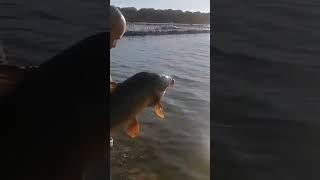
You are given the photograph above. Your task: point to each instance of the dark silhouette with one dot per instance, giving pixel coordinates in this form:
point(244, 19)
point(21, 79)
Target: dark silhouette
point(54, 123)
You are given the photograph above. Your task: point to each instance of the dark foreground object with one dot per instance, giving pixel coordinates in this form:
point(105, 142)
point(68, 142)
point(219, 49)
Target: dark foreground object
point(54, 121)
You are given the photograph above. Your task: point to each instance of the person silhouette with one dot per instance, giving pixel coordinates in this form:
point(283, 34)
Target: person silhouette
point(118, 28)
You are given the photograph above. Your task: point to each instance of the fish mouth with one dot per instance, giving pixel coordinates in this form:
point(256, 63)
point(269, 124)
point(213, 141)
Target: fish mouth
point(172, 82)
point(169, 83)
point(158, 108)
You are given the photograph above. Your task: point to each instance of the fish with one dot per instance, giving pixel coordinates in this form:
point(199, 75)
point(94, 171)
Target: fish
point(129, 98)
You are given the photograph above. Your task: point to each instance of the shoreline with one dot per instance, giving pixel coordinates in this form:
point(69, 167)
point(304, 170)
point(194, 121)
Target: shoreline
point(145, 33)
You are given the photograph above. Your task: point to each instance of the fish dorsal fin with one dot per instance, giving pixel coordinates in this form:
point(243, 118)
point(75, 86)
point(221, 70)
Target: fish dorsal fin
point(113, 86)
point(133, 128)
point(158, 111)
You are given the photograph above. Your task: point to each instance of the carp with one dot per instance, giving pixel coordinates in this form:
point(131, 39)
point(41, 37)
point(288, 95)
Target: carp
point(129, 98)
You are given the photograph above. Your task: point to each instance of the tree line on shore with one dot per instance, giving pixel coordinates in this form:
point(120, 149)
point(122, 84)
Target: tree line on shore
point(151, 15)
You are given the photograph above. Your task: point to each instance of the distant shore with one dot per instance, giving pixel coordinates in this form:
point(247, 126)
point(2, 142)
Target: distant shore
point(144, 33)
point(133, 14)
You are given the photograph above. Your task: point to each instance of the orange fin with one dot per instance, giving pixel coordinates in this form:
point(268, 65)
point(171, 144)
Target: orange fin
point(133, 128)
point(158, 111)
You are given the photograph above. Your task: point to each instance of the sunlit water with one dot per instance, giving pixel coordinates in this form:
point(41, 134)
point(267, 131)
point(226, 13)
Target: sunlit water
point(177, 148)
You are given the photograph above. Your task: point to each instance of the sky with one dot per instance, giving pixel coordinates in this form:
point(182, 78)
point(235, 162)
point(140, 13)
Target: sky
point(184, 5)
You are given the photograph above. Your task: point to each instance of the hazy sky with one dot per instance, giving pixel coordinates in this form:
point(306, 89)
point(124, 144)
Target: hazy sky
point(184, 5)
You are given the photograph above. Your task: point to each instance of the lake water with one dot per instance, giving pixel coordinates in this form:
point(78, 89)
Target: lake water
point(177, 148)
point(34, 31)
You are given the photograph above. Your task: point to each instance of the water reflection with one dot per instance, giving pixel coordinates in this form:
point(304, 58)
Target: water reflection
point(177, 148)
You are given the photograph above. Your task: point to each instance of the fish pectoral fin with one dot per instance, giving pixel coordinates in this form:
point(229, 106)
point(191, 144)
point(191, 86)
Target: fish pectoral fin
point(113, 86)
point(158, 111)
point(113, 83)
point(133, 128)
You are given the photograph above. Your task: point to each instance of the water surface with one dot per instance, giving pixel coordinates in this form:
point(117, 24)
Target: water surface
point(177, 148)
point(33, 31)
